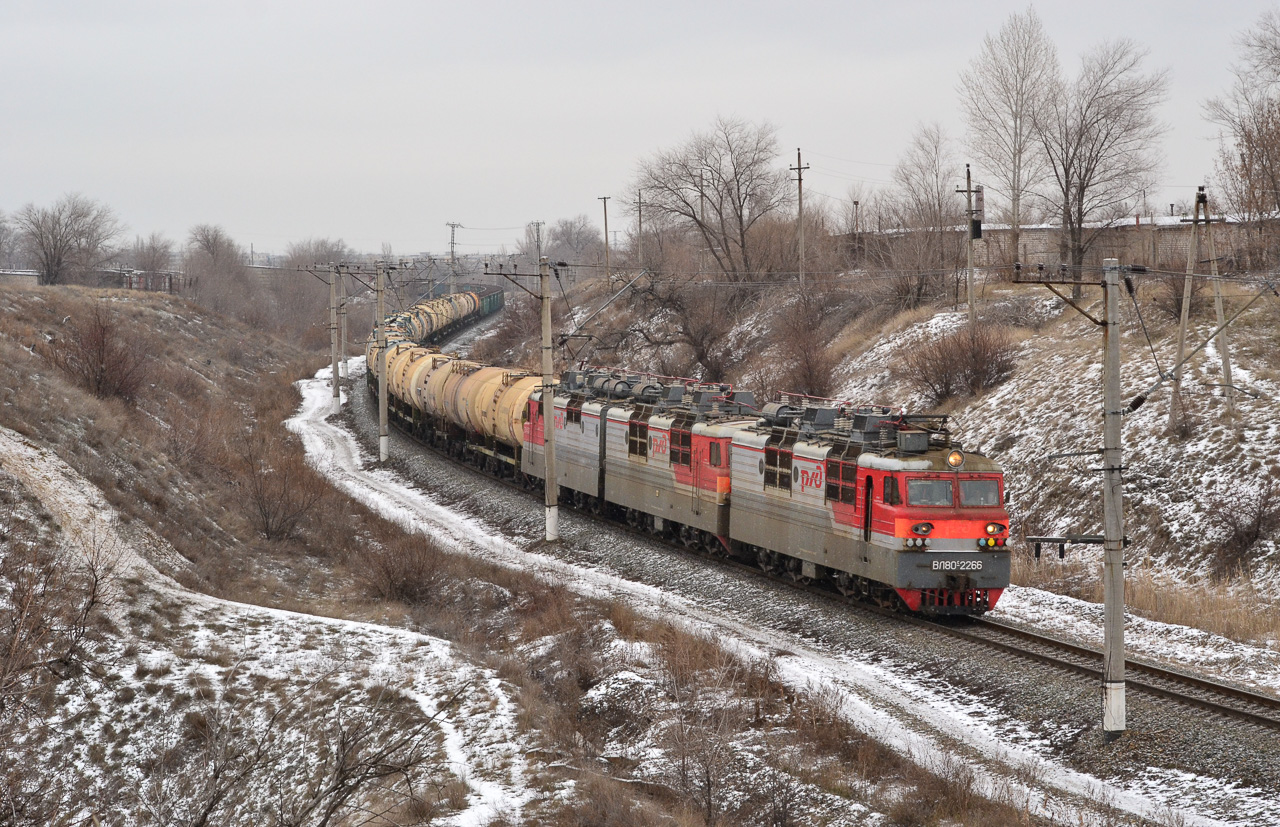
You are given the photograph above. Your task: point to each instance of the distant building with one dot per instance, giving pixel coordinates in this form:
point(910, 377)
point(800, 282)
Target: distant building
point(20, 278)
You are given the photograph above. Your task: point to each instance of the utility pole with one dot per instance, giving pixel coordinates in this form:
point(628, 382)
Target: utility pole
point(1113, 711)
point(639, 230)
point(857, 231)
point(799, 169)
point(336, 407)
point(453, 258)
point(973, 223)
point(604, 199)
point(548, 407)
point(537, 236)
point(384, 438)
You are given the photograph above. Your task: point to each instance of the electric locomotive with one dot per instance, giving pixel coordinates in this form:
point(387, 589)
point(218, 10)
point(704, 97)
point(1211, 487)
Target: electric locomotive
point(875, 502)
point(879, 503)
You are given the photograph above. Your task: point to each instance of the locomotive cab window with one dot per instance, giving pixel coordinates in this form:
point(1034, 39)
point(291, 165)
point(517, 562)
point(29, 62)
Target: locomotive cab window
point(713, 455)
point(979, 492)
point(929, 492)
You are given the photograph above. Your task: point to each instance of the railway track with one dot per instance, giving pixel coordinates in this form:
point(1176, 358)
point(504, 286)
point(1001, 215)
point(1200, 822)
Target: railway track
point(1192, 690)
point(1179, 687)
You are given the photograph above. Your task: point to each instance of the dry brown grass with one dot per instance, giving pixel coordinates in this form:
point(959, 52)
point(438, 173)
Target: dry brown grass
point(1238, 611)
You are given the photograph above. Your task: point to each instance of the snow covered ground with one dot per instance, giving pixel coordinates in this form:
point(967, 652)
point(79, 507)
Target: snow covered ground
point(206, 642)
point(913, 715)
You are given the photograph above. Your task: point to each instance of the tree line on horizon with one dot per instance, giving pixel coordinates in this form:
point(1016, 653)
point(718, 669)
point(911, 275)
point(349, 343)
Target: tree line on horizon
point(1078, 149)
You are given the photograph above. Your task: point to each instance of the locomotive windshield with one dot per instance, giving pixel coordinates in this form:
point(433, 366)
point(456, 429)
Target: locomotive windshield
point(929, 492)
point(979, 492)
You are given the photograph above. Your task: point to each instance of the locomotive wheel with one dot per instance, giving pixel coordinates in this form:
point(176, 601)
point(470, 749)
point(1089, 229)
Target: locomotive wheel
point(767, 560)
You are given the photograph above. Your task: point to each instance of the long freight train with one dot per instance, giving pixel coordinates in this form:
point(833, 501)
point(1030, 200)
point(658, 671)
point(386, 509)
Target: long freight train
point(865, 498)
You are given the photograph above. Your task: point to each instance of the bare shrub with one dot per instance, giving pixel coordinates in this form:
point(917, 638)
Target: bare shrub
point(964, 363)
point(808, 363)
point(53, 598)
point(1186, 423)
point(410, 569)
point(102, 357)
point(374, 757)
point(1242, 519)
point(280, 488)
point(604, 802)
point(1168, 298)
point(706, 718)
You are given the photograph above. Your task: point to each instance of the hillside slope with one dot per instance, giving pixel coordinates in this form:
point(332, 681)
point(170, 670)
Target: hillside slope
point(1195, 496)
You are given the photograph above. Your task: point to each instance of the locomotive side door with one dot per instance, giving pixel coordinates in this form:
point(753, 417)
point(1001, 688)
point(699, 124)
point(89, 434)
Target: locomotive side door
point(866, 508)
point(695, 464)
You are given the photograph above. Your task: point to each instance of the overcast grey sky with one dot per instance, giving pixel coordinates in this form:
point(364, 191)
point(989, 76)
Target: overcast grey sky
point(381, 121)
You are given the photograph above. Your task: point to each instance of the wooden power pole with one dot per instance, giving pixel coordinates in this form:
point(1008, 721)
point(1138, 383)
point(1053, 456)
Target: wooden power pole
point(799, 169)
point(1220, 342)
point(604, 199)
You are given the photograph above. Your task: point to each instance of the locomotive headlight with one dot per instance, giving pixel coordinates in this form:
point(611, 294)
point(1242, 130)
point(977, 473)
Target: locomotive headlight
point(955, 459)
point(994, 528)
point(922, 528)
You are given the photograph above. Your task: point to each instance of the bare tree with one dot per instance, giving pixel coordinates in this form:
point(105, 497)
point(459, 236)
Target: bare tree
point(575, 240)
point(720, 183)
point(1000, 92)
point(576, 236)
point(695, 338)
point(8, 242)
point(68, 239)
point(154, 254)
point(924, 212)
point(1248, 165)
point(216, 274)
point(1099, 134)
point(214, 242)
point(300, 299)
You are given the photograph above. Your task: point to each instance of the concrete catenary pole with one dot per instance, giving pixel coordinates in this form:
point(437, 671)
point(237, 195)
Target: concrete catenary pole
point(333, 337)
point(604, 199)
point(549, 407)
point(384, 437)
point(342, 322)
point(453, 258)
point(1113, 707)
